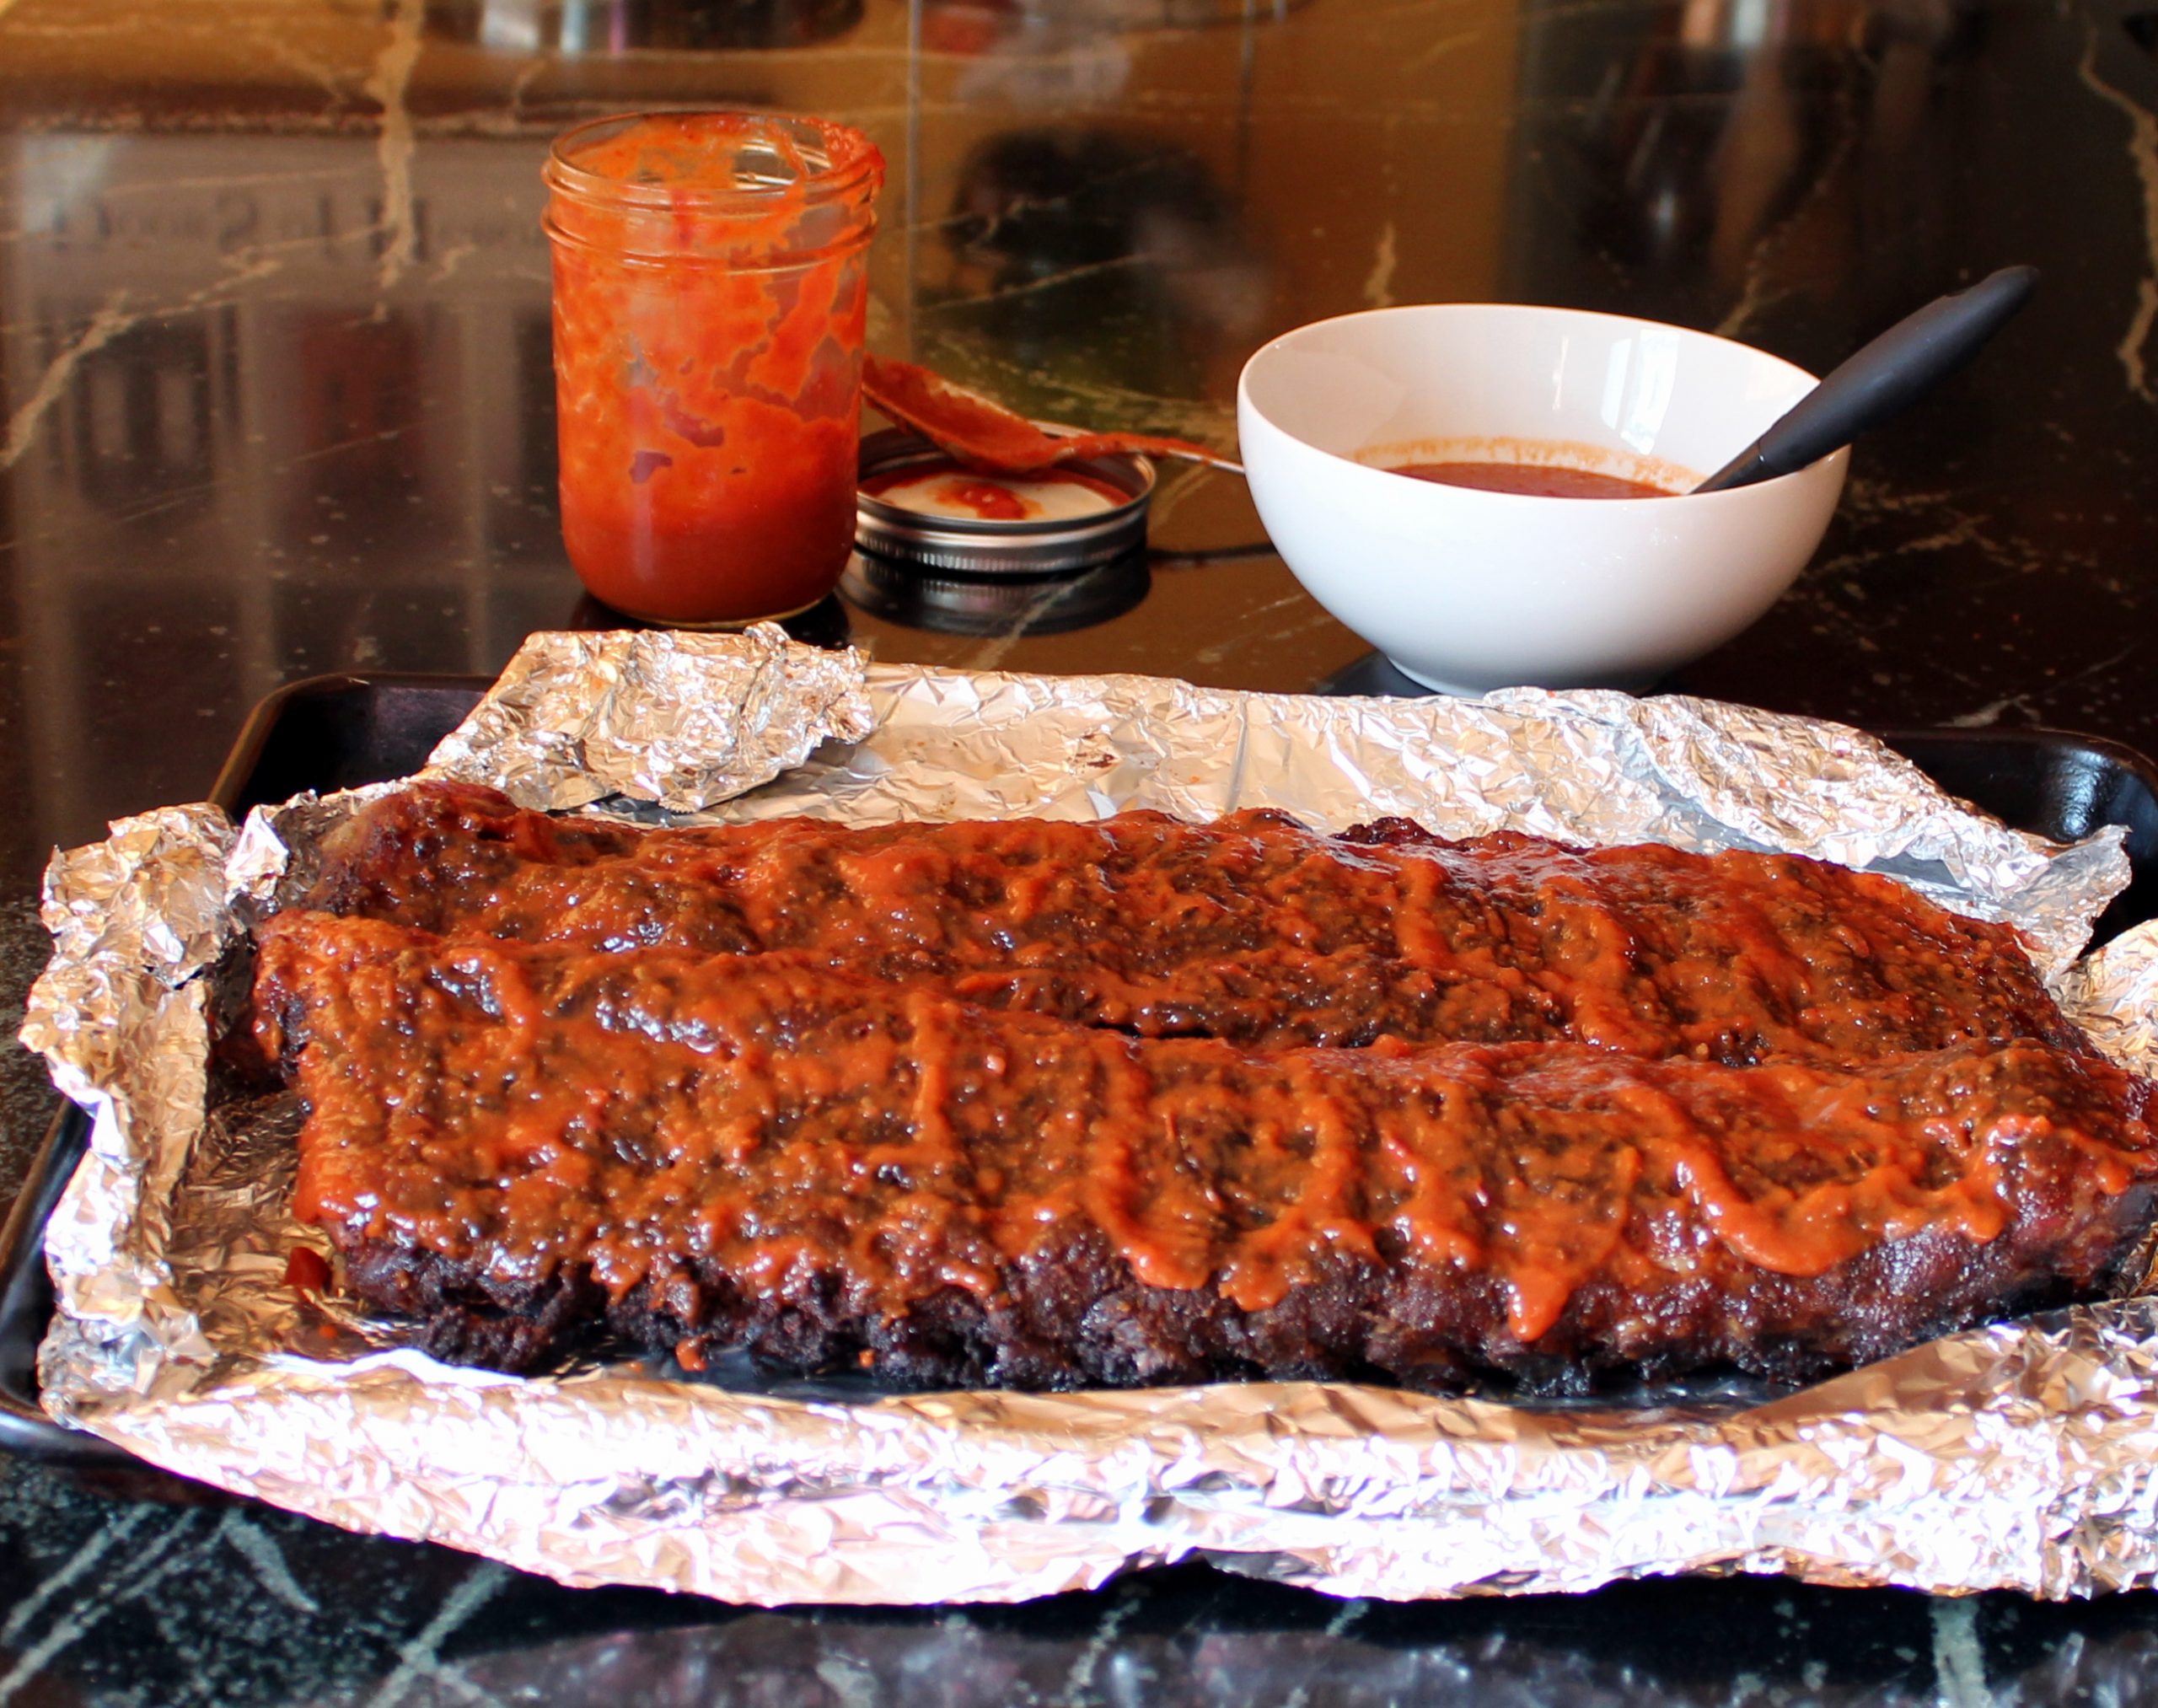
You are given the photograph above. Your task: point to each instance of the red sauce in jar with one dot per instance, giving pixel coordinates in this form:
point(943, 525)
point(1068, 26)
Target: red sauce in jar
point(710, 294)
point(1533, 479)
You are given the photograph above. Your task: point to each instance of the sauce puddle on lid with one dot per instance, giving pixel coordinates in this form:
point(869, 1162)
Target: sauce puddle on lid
point(944, 489)
point(1533, 479)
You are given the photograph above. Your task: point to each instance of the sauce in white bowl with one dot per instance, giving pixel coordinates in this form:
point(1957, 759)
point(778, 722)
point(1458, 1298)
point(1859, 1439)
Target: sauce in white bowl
point(1469, 590)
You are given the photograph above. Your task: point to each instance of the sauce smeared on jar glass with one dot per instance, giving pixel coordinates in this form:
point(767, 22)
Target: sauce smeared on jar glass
point(710, 294)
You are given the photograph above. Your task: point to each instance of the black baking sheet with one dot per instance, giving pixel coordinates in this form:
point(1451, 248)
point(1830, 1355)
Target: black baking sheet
point(339, 732)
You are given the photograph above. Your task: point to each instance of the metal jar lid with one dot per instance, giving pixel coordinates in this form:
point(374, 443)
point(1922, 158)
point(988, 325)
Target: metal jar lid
point(906, 594)
point(964, 546)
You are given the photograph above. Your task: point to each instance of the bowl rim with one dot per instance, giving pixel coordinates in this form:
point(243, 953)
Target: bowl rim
point(1555, 311)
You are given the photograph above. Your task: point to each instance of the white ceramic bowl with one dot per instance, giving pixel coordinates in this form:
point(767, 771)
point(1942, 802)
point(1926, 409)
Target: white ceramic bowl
point(1468, 590)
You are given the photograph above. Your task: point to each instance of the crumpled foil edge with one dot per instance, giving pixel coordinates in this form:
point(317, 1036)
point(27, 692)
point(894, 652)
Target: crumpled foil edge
point(2011, 1456)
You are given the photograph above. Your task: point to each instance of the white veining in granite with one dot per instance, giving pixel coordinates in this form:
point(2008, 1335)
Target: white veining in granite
point(2142, 152)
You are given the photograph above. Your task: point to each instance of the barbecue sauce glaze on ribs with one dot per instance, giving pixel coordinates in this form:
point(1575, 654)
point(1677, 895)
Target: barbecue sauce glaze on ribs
point(1251, 929)
point(699, 1112)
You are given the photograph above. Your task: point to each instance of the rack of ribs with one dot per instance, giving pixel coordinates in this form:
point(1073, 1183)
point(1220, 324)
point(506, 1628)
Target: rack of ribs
point(525, 1146)
point(1252, 929)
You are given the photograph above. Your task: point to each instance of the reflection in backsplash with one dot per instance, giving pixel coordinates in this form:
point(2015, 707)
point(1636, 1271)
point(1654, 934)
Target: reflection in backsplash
point(1142, 228)
point(621, 26)
point(141, 416)
point(1711, 145)
point(259, 437)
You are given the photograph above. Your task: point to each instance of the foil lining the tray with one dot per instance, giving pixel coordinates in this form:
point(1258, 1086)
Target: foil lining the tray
point(2016, 1455)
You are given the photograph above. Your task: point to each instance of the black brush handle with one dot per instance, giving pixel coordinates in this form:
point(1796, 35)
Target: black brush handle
point(1883, 380)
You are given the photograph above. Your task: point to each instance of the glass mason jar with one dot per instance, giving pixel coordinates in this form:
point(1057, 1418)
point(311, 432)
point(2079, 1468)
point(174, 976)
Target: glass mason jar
point(710, 282)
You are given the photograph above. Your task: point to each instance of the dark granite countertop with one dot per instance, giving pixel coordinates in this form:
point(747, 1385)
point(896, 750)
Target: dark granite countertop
point(276, 399)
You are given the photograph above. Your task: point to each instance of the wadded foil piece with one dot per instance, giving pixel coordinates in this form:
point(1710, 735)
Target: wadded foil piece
point(576, 717)
point(2017, 1455)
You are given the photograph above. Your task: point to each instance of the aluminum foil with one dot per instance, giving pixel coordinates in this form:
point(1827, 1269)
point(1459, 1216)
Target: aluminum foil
point(2018, 1455)
point(573, 720)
